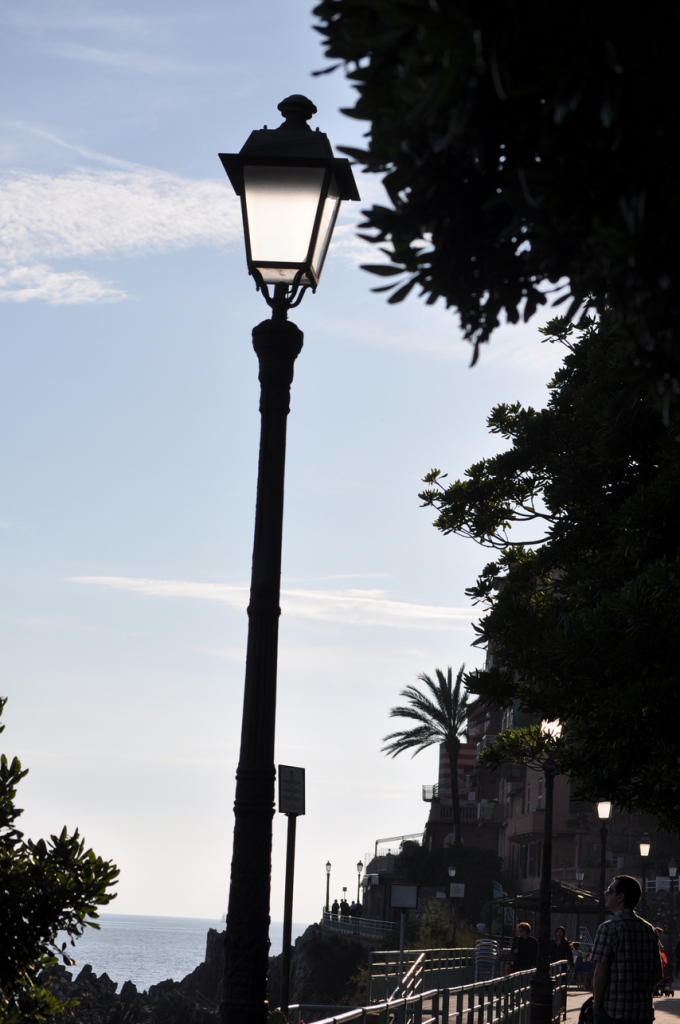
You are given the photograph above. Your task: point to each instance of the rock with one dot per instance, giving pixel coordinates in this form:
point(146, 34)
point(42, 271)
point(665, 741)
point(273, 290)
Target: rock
point(321, 965)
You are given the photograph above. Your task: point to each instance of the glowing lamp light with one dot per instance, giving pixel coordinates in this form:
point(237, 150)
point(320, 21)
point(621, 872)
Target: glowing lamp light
point(291, 187)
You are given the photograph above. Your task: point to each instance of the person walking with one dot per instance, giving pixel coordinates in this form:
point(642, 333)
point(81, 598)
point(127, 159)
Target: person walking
point(560, 949)
point(627, 959)
point(524, 948)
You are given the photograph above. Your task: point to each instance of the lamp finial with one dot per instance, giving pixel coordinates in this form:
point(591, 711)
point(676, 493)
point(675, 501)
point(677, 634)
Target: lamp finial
point(297, 110)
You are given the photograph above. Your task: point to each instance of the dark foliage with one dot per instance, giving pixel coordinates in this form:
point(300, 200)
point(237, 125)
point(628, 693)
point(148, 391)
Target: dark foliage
point(521, 144)
point(45, 887)
point(586, 620)
point(476, 867)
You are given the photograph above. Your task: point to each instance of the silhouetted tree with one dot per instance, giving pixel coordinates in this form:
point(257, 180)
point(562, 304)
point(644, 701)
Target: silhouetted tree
point(525, 148)
point(583, 616)
point(441, 716)
point(45, 887)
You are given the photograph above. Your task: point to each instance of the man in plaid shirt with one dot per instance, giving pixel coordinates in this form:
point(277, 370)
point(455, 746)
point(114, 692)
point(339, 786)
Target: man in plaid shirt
point(627, 959)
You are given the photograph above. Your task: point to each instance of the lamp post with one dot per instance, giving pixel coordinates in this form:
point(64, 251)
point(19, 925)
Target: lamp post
point(328, 884)
point(541, 982)
point(360, 868)
point(672, 871)
point(604, 810)
point(645, 847)
point(291, 187)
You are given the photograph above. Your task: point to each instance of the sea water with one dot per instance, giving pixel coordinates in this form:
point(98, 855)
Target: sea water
point(147, 950)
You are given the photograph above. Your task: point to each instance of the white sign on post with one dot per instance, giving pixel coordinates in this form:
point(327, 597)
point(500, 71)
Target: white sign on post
point(291, 790)
point(457, 890)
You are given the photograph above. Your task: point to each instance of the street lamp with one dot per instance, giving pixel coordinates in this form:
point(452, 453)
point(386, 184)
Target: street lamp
point(291, 187)
point(645, 847)
point(604, 810)
point(328, 884)
point(360, 868)
point(672, 871)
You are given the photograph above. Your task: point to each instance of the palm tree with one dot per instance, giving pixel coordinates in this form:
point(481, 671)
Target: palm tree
point(441, 715)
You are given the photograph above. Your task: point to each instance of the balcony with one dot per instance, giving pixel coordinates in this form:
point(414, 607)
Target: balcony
point(469, 813)
point(526, 826)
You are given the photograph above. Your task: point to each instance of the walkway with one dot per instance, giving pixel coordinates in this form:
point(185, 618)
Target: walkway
point(666, 1011)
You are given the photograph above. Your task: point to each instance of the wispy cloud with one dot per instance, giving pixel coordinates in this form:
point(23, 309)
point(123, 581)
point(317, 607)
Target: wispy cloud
point(22, 284)
point(96, 214)
point(352, 606)
point(109, 213)
point(130, 60)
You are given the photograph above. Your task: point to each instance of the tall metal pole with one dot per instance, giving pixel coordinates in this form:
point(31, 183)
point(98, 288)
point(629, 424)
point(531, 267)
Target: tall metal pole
point(328, 885)
point(288, 914)
point(277, 343)
point(541, 983)
point(672, 871)
point(603, 869)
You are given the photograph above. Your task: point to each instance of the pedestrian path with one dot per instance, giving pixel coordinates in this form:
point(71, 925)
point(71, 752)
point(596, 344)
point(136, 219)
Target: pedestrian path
point(666, 1011)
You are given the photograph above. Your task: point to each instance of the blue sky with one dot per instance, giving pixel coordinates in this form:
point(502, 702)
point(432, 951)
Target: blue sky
point(129, 433)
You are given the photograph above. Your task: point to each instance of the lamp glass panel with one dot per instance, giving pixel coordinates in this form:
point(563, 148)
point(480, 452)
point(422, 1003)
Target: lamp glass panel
point(328, 217)
point(281, 204)
point(604, 809)
point(644, 849)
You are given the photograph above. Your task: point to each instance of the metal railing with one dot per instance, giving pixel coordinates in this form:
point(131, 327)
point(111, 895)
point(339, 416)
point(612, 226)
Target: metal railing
point(504, 1000)
point(412, 980)
point(468, 812)
point(439, 968)
point(395, 843)
point(365, 927)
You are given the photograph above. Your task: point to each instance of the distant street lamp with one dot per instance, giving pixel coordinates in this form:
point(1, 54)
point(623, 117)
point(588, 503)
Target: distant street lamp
point(645, 847)
point(580, 875)
point(328, 884)
point(291, 187)
point(672, 871)
point(604, 810)
point(360, 868)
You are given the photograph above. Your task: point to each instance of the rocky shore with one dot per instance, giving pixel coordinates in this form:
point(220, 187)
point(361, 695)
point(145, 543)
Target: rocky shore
point(322, 965)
